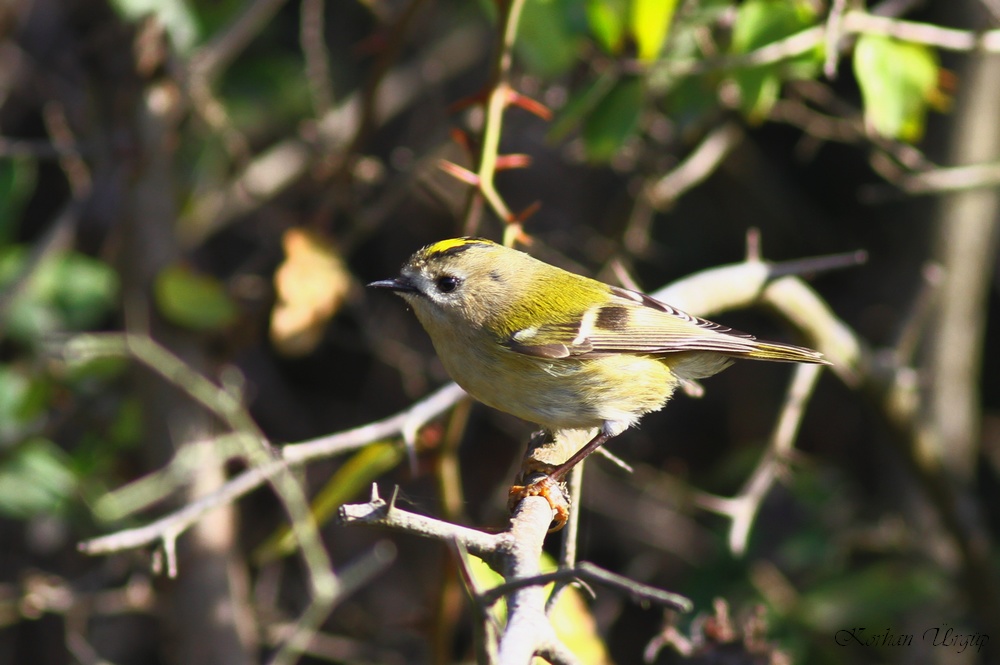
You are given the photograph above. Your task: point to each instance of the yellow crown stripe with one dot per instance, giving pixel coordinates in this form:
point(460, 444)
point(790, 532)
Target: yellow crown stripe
point(450, 245)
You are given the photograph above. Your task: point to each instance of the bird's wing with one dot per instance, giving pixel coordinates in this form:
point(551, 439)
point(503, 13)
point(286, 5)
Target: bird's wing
point(632, 322)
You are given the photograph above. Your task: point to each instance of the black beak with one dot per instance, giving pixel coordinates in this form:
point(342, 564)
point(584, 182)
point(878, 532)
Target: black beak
point(400, 284)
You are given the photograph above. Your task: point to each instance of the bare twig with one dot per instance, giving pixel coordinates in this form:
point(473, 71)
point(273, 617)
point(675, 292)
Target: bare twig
point(405, 423)
point(273, 170)
point(915, 322)
point(323, 582)
point(589, 572)
point(311, 25)
point(297, 637)
point(487, 626)
point(216, 55)
point(950, 179)
point(379, 512)
point(742, 509)
point(700, 164)
point(571, 532)
point(372, 100)
point(515, 554)
point(77, 170)
point(949, 39)
point(833, 26)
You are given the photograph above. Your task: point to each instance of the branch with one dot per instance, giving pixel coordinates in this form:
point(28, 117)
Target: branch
point(853, 22)
point(382, 513)
point(209, 61)
point(405, 423)
point(273, 170)
point(742, 509)
point(696, 167)
point(515, 554)
point(588, 572)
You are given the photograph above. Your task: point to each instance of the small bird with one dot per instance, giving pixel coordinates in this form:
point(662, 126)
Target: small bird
point(558, 349)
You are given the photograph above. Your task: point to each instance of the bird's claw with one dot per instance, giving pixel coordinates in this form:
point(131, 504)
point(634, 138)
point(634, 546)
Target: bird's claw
point(553, 491)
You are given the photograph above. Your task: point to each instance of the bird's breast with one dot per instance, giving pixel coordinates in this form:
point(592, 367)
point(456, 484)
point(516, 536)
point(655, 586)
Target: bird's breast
point(565, 393)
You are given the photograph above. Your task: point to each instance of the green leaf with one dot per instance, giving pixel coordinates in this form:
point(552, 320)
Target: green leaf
point(35, 480)
point(127, 427)
point(193, 300)
point(898, 80)
point(81, 288)
point(17, 182)
point(762, 22)
point(759, 90)
point(549, 36)
point(23, 398)
point(614, 120)
point(580, 105)
point(606, 19)
point(691, 100)
point(650, 24)
point(65, 291)
point(758, 24)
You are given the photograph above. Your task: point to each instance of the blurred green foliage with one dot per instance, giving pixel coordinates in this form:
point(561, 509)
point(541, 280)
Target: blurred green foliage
point(760, 23)
point(899, 81)
point(193, 300)
point(64, 292)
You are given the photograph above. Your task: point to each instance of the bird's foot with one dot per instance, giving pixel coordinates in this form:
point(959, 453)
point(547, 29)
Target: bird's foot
point(540, 483)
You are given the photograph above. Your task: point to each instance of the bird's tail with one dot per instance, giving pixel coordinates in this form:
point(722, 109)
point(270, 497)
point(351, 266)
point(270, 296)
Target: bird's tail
point(788, 353)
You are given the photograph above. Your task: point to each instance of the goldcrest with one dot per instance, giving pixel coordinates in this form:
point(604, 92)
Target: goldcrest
point(561, 350)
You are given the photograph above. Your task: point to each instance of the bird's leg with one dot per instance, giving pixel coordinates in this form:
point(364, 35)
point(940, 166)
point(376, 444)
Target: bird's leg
point(560, 471)
point(546, 484)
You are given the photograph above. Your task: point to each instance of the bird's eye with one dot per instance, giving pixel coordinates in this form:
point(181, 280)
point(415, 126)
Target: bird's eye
point(447, 283)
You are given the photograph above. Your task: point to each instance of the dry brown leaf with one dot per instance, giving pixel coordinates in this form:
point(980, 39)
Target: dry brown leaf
point(311, 284)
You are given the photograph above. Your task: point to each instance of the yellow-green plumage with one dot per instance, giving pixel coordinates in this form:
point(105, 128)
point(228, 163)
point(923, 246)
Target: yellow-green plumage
point(558, 349)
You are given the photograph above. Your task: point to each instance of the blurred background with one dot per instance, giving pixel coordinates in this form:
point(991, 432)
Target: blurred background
point(225, 176)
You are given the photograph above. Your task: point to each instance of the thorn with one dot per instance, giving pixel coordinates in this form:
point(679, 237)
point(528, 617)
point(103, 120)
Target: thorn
point(411, 430)
point(513, 161)
point(530, 105)
point(753, 245)
point(525, 214)
point(471, 100)
point(514, 233)
point(461, 137)
point(170, 552)
point(817, 264)
point(459, 172)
